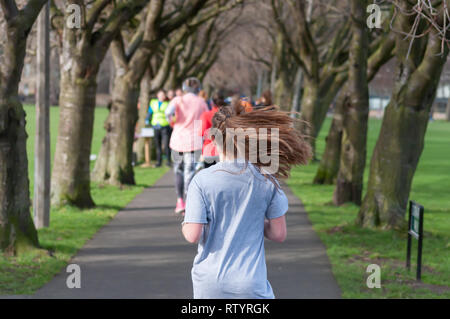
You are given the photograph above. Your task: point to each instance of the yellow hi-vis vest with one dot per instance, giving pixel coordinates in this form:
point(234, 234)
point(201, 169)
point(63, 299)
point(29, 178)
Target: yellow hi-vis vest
point(159, 116)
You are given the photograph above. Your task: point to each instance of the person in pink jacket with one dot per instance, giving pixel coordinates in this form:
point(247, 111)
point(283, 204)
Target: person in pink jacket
point(185, 142)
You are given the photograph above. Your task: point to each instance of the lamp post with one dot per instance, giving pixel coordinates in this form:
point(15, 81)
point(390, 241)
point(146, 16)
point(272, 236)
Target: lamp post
point(41, 198)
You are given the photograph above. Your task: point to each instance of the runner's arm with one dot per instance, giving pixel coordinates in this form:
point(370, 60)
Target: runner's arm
point(275, 229)
point(192, 232)
point(170, 110)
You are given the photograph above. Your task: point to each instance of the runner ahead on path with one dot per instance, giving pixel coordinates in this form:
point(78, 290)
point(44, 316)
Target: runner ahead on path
point(156, 117)
point(232, 205)
point(209, 152)
point(187, 109)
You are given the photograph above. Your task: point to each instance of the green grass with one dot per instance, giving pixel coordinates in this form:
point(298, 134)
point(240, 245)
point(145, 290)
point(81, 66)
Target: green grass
point(69, 227)
point(351, 249)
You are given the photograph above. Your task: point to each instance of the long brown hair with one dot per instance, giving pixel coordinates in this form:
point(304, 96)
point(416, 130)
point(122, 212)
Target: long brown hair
point(292, 147)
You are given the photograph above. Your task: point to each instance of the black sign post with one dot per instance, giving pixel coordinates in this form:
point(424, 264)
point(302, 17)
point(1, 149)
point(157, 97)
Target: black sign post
point(415, 229)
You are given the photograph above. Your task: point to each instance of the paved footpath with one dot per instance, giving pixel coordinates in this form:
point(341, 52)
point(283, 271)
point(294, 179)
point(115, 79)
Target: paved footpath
point(141, 254)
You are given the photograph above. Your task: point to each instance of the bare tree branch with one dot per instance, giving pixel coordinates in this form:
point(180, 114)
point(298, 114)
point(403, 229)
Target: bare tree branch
point(9, 8)
point(94, 13)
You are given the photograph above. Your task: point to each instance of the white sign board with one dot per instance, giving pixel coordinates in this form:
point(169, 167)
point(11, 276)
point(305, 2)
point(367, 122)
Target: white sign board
point(147, 132)
point(415, 219)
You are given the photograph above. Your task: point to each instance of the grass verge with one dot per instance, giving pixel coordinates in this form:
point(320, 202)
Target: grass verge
point(351, 249)
point(70, 227)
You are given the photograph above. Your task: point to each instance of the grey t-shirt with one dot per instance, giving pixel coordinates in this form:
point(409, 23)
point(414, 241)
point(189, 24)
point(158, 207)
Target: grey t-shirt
point(232, 201)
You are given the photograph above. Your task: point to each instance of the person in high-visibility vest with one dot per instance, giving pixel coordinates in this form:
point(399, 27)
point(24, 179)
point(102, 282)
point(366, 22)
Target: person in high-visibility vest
point(157, 119)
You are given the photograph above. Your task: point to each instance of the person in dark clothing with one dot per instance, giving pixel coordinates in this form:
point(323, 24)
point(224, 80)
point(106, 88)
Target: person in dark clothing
point(157, 119)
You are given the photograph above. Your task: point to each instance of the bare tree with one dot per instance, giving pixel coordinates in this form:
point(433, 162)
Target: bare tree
point(17, 231)
point(421, 51)
point(246, 50)
point(321, 49)
point(381, 53)
point(356, 109)
point(206, 46)
point(83, 49)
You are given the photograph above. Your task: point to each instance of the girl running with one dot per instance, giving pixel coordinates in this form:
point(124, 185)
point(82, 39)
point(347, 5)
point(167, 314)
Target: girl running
point(234, 204)
point(187, 109)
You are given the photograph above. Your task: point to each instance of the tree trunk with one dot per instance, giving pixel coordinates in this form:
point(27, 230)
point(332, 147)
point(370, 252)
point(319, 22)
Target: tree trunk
point(282, 87)
point(144, 101)
point(393, 164)
point(329, 164)
point(401, 138)
point(273, 74)
point(315, 102)
point(114, 163)
point(80, 62)
point(17, 231)
point(313, 112)
point(310, 103)
point(259, 84)
point(356, 107)
point(83, 49)
point(298, 84)
point(112, 76)
point(283, 94)
point(71, 168)
point(447, 111)
point(173, 82)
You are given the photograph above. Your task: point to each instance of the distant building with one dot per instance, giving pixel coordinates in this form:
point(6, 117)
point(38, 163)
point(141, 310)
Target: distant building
point(380, 90)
